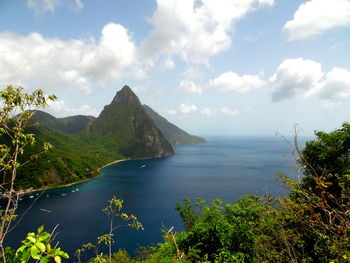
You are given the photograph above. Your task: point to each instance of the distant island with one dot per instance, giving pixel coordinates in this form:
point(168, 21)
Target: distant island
point(124, 130)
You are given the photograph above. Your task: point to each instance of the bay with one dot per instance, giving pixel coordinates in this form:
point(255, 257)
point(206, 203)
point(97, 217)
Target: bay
point(225, 168)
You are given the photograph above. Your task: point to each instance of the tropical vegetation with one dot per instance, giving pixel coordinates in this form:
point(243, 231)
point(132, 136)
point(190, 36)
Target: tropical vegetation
point(311, 224)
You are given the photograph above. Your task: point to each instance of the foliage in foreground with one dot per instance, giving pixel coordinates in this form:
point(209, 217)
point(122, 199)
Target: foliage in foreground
point(311, 224)
point(14, 120)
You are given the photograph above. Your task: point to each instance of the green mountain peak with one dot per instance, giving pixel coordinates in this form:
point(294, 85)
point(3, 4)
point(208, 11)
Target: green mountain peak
point(124, 126)
point(126, 97)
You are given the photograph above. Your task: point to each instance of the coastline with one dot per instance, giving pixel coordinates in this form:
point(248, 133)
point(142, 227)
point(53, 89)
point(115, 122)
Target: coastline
point(28, 191)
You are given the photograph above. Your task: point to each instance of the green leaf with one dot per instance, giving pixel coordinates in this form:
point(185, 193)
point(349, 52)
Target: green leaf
point(25, 256)
point(63, 254)
point(45, 259)
point(41, 246)
point(57, 259)
point(40, 229)
point(31, 239)
point(21, 248)
point(34, 252)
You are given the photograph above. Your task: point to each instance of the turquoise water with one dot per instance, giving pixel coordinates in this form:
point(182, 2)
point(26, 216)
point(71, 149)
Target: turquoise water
point(225, 168)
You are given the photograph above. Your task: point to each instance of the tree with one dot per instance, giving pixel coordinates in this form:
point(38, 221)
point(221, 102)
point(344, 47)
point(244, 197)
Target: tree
point(112, 211)
point(15, 114)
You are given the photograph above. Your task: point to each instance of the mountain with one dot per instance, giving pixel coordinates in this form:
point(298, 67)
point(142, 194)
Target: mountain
point(72, 124)
point(170, 131)
point(82, 144)
point(124, 126)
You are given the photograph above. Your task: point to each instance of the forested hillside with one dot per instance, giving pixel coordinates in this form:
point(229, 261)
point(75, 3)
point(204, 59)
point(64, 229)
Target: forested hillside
point(82, 144)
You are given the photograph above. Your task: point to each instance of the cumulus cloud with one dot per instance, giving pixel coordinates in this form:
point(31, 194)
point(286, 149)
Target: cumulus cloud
point(335, 87)
point(314, 17)
point(232, 82)
point(195, 29)
point(59, 108)
point(225, 111)
point(190, 87)
point(294, 75)
point(51, 63)
point(305, 78)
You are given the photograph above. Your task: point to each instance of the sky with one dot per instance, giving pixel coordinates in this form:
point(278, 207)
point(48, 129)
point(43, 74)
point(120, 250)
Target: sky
point(212, 67)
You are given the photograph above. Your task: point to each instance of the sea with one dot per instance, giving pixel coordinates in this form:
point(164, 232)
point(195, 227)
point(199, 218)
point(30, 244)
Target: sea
point(226, 168)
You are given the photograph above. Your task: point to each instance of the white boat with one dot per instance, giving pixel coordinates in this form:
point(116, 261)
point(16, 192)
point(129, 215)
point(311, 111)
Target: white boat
point(31, 196)
point(143, 166)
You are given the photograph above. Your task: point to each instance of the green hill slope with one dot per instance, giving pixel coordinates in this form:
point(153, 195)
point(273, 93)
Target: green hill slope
point(170, 131)
point(71, 160)
point(71, 124)
point(82, 144)
point(124, 126)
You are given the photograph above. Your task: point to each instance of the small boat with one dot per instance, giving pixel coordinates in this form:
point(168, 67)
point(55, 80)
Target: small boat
point(47, 195)
point(143, 166)
point(63, 194)
point(73, 191)
point(77, 189)
point(32, 196)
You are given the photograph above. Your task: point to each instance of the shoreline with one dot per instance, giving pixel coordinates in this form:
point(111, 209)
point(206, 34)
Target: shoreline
point(28, 191)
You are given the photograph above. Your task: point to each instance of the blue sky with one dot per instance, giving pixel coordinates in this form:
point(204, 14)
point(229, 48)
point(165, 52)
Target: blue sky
point(227, 67)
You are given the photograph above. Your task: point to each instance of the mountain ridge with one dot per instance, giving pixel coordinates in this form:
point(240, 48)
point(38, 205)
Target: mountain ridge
point(82, 144)
point(172, 133)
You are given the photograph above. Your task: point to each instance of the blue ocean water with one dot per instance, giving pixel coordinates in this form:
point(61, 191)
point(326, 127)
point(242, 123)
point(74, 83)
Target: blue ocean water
point(225, 168)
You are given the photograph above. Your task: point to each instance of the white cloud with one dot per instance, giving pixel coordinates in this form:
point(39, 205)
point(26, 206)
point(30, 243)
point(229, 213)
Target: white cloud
point(305, 78)
point(41, 7)
point(224, 111)
point(229, 112)
point(232, 82)
point(314, 17)
point(190, 87)
point(294, 75)
point(186, 108)
point(195, 29)
point(183, 109)
point(59, 108)
point(209, 112)
point(51, 63)
point(335, 87)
